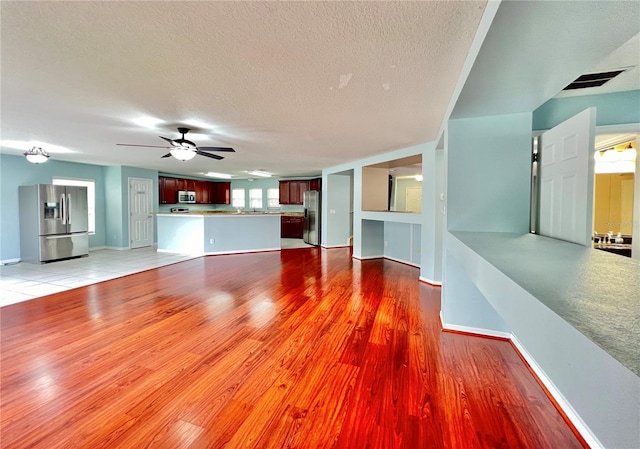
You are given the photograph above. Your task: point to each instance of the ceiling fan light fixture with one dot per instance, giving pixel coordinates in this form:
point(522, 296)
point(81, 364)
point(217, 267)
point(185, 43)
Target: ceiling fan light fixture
point(36, 155)
point(183, 154)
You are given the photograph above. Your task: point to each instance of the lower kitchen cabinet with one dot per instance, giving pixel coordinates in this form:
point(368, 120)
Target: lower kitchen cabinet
point(292, 227)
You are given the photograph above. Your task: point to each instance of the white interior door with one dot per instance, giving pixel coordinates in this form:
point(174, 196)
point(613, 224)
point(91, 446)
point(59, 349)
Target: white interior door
point(566, 179)
point(413, 198)
point(140, 212)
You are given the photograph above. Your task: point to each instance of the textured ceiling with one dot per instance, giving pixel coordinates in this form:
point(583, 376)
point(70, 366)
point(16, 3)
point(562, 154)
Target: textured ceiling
point(294, 87)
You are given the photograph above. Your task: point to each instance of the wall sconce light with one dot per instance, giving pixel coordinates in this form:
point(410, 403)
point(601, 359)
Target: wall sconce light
point(36, 155)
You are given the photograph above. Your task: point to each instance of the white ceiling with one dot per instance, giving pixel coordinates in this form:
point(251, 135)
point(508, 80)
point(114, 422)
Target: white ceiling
point(294, 87)
point(520, 65)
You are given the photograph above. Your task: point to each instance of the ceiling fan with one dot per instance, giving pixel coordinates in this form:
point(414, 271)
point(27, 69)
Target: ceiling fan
point(183, 149)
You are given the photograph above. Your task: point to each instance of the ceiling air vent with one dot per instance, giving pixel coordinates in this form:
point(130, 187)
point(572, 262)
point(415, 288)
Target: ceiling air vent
point(593, 80)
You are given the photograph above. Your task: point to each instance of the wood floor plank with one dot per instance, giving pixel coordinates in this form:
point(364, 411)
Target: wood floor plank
point(302, 348)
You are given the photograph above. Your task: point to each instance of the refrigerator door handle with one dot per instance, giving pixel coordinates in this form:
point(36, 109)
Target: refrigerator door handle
point(68, 208)
point(64, 236)
point(63, 209)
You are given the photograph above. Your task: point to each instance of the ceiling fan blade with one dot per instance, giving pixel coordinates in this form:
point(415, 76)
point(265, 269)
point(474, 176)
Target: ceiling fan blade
point(145, 146)
point(212, 156)
point(166, 155)
point(231, 150)
point(173, 144)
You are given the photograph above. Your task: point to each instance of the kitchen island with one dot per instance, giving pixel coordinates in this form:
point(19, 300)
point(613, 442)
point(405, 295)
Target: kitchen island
point(218, 233)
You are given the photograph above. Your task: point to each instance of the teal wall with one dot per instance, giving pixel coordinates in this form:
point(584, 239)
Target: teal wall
point(488, 173)
point(612, 109)
point(372, 235)
point(16, 171)
point(337, 198)
point(113, 205)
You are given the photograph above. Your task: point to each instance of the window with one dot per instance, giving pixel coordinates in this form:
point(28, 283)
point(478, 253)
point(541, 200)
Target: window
point(255, 198)
point(273, 198)
point(91, 196)
point(237, 198)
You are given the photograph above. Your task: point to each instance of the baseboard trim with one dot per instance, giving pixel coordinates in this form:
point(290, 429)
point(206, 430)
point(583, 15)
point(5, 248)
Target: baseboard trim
point(368, 257)
point(476, 331)
point(181, 253)
point(571, 417)
point(97, 248)
point(222, 253)
point(402, 261)
point(430, 282)
point(9, 261)
point(335, 246)
point(117, 248)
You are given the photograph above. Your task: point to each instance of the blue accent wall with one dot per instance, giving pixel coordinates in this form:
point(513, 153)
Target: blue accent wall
point(489, 173)
point(16, 171)
point(612, 109)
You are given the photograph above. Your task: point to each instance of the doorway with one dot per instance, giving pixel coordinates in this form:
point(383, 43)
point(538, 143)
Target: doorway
point(140, 212)
point(616, 197)
point(616, 191)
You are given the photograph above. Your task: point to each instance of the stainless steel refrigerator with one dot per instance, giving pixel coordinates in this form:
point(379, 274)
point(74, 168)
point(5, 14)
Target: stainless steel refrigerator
point(54, 222)
point(311, 202)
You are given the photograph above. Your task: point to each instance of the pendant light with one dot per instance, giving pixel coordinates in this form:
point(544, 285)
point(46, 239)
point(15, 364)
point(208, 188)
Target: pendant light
point(36, 155)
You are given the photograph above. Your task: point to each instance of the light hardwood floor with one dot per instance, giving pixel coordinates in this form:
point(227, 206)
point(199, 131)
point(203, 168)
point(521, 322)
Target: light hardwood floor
point(304, 348)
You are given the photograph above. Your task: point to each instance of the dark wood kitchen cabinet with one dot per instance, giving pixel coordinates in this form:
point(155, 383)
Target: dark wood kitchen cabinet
point(186, 184)
point(291, 227)
point(222, 193)
point(168, 188)
point(292, 191)
point(315, 184)
point(203, 191)
point(207, 192)
point(284, 192)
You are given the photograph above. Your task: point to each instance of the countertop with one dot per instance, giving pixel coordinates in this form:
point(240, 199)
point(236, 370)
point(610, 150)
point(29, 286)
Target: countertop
point(597, 292)
point(231, 213)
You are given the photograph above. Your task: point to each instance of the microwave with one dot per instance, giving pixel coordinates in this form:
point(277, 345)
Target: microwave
point(186, 196)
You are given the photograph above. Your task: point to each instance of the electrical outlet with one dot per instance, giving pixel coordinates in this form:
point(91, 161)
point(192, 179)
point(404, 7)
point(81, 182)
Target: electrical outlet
point(386, 243)
point(212, 241)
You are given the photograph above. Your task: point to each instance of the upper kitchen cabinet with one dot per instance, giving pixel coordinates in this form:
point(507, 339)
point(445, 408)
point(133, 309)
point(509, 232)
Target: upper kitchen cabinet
point(204, 191)
point(284, 192)
point(315, 184)
point(186, 184)
point(292, 191)
point(222, 193)
point(207, 192)
point(168, 188)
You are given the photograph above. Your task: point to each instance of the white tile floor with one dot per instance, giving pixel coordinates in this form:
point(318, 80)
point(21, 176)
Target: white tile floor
point(24, 281)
